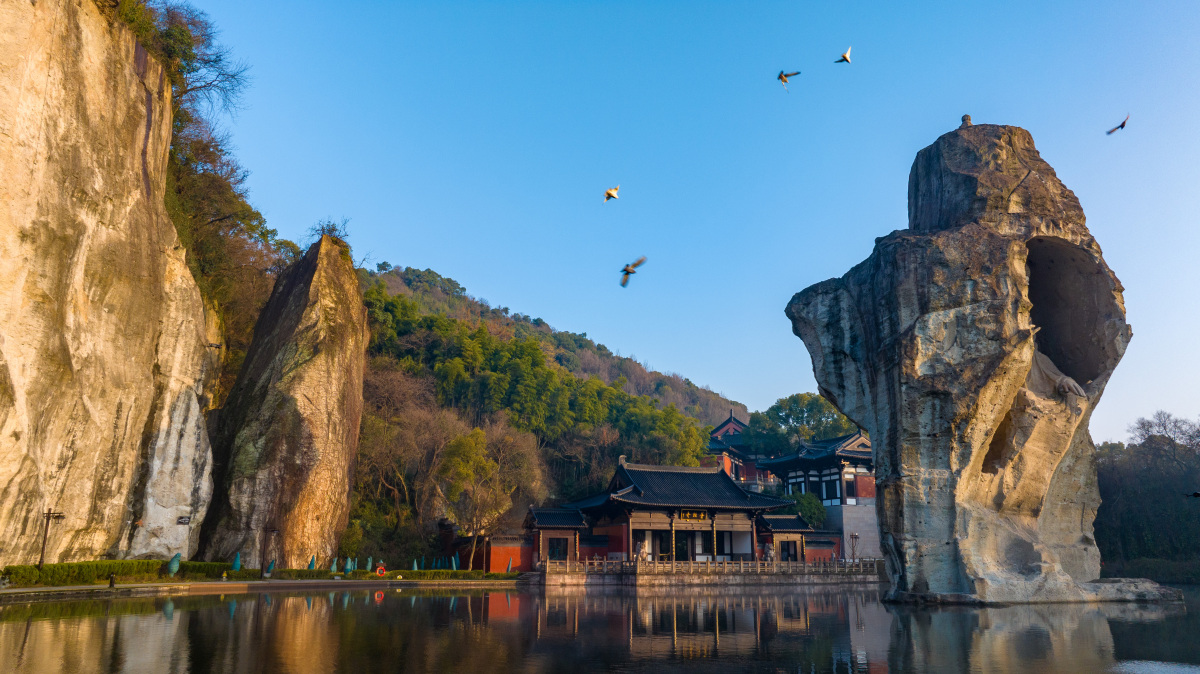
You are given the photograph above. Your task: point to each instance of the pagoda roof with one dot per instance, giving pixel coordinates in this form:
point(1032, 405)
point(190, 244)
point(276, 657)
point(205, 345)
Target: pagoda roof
point(679, 487)
point(732, 422)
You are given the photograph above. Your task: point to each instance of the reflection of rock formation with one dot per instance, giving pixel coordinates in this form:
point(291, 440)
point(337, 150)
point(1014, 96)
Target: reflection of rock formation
point(1062, 637)
point(103, 354)
point(974, 347)
point(286, 438)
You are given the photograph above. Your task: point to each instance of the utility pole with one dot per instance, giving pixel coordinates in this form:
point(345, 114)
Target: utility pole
point(48, 515)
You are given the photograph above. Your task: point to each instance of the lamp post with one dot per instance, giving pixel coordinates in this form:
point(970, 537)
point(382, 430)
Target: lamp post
point(48, 515)
point(262, 555)
point(854, 546)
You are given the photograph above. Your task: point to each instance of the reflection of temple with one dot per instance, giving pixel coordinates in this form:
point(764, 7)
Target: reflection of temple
point(841, 472)
point(821, 630)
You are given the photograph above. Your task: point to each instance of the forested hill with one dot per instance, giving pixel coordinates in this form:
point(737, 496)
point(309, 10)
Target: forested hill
point(574, 352)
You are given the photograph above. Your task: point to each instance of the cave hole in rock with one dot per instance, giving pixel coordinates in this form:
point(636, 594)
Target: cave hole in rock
point(995, 453)
point(1072, 300)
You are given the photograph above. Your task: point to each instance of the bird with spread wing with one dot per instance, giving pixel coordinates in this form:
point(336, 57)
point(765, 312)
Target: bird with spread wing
point(611, 193)
point(783, 77)
point(1117, 127)
point(630, 269)
point(1193, 495)
point(845, 57)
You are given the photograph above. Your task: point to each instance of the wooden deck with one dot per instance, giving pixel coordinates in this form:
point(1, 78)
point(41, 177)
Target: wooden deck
point(597, 566)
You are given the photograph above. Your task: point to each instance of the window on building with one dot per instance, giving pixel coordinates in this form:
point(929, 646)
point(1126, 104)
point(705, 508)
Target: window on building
point(557, 548)
point(706, 543)
point(851, 490)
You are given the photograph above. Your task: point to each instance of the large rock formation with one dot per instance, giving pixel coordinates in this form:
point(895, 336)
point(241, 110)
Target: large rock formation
point(103, 354)
point(974, 347)
point(286, 438)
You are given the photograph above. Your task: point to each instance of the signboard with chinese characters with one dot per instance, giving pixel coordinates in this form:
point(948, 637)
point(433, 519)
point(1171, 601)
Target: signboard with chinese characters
point(183, 520)
point(693, 515)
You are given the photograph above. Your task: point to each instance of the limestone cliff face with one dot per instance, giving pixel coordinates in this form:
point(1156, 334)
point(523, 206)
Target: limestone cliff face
point(974, 347)
point(103, 354)
point(285, 440)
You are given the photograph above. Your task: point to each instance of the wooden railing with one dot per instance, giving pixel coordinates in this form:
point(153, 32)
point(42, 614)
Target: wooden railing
point(861, 566)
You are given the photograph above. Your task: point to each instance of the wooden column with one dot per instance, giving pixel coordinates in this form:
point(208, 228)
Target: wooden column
point(577, 545)
point(672, 537)
point(629, 536)
point(714, 532)
point(754, 536)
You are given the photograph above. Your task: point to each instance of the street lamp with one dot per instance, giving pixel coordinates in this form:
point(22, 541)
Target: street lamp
point(854, 546)
point(262, 555)
point(48, 515)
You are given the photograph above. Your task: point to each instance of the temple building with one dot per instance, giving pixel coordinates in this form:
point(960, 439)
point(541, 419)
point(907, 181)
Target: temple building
point(677, 514)
point(727, 449)
point(841, 472)
point(667, 514)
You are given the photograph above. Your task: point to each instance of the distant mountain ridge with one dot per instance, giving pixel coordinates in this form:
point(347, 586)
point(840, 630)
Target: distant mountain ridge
point(574, 352)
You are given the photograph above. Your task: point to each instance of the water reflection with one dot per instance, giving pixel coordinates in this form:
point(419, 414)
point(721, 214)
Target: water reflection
point(765, 629)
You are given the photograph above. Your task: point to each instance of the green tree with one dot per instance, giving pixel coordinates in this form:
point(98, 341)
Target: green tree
point(480, 473)
point(807, 506)
point(793, 421)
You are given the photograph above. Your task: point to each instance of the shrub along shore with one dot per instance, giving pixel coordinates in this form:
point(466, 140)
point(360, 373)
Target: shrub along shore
point(154, 571)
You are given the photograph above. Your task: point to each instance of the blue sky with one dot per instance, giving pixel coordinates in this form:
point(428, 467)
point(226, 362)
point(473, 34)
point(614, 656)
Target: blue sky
point(477, 139)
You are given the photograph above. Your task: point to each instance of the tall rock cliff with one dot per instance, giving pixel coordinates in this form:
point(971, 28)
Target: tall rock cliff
point(103, 354)
point(286, 438)
point(974, 347)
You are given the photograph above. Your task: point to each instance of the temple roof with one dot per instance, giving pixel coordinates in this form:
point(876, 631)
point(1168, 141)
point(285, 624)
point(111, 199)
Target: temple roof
point(679, 487)
point(854, 447)
point(784, 524)
point(730, 425)
point(555, 518)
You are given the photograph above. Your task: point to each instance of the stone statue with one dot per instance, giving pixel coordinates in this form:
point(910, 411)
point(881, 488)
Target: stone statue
point(237, 562)
point(643, 552)
point(973, 347)
point(312, 563)
point(173, 565)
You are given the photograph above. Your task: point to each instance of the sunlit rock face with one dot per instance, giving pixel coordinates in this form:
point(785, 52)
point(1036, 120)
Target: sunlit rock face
point(286, 438)
point(103, 353)
point(974, 346)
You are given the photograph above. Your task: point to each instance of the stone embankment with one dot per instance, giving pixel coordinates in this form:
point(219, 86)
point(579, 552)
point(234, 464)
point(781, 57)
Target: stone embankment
point(973, 346)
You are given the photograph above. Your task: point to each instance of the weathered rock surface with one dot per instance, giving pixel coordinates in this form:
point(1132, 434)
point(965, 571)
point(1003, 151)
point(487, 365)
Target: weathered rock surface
point(973, 347)
point(103, 354)
point(285, 441)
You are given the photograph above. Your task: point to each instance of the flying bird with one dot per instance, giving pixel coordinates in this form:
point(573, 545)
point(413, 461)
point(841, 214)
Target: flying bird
point(783, 77)
point(1193, 495)
point(1118, 127)
point(629, 269)
point(845, 57)
point(611, 193)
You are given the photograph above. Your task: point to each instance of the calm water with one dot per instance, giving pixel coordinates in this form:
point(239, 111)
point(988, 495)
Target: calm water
point(760, 629)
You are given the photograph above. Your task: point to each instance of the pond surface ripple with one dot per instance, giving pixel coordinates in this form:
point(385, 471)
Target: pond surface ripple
point(805, 630)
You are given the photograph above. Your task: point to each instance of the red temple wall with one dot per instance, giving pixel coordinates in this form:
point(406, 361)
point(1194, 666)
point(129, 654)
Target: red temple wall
point(499, 554)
